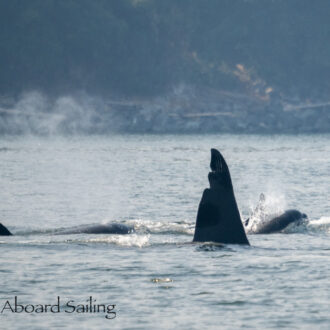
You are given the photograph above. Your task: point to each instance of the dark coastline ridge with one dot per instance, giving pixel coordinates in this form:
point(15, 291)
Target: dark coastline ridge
point(184, 111)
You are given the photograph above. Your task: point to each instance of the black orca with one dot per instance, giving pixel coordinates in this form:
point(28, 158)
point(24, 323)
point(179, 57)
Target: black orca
point(111, 228)
point(267, 223)
point(277, 223)
point(218, 219)
point(4, 231)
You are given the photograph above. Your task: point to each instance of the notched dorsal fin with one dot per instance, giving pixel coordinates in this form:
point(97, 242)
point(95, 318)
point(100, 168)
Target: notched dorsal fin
point(216, 161)
point(220, 171)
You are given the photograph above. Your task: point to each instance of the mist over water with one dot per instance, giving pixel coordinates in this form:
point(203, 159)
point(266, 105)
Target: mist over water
point(156, 276)
point(34, 113)
point(183, 110)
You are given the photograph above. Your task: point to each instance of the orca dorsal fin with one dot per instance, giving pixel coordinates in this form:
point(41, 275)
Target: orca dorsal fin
point(218, 219)
point(4, 231)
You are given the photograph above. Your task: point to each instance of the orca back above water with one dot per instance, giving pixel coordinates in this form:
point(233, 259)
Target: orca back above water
point(218, 219)
point(110, 228)
point(278, 223)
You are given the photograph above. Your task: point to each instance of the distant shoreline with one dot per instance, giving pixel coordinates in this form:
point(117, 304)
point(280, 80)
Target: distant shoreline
point(189, 111)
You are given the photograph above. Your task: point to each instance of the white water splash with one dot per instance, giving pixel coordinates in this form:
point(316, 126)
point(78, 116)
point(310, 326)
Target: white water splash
point(272, 205)
point(133, 240)
point(320, 225)
point(159, 227)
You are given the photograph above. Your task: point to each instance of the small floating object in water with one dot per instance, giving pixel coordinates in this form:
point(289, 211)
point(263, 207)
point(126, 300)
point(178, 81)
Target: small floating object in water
point(161, 280)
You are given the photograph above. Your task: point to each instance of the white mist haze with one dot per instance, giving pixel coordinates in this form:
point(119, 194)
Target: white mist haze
point(184, 109)
point(37, 114)
point(34, 113)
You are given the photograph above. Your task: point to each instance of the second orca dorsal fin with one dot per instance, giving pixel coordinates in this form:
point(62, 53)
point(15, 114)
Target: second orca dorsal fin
point(4, 231)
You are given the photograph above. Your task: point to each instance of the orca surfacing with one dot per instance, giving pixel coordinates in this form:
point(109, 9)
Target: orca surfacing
point(110, 228)
point(279, 222)
point(218, 219)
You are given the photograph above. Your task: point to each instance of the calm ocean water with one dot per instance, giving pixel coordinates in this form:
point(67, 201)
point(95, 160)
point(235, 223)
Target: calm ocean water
point(155, 277)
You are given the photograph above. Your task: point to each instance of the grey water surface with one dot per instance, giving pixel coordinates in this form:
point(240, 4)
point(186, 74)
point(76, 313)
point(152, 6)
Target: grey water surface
point(155, 277)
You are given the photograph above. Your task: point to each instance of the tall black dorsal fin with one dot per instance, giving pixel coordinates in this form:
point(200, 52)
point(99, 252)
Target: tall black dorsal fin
point(218, 219)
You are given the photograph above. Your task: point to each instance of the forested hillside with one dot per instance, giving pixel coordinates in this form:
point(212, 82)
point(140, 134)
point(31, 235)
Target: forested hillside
point(145, 48)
